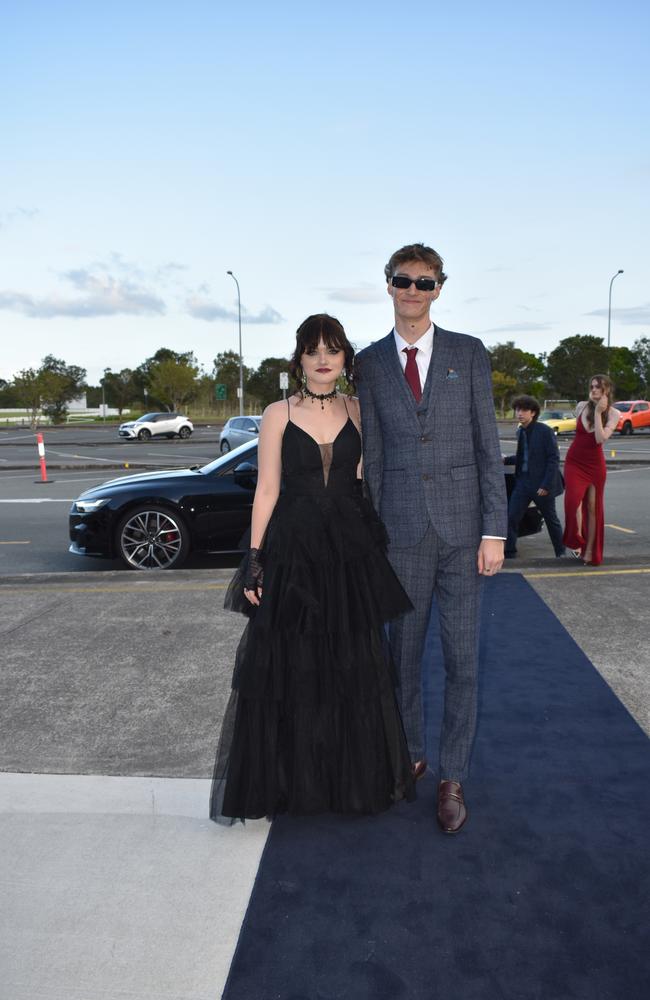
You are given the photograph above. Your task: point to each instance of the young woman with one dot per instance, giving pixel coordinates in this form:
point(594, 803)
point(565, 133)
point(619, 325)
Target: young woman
point(312, 724)
point(585, 472)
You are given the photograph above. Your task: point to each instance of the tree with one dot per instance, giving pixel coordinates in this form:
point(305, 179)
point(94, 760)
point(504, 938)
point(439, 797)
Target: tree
point(119, 388)
point(573, 362)
point(641, 351)
point(503, 388)
point(60, 383)
point(526, 369)
point(264, 383)
point(143, 373)
point(623, 373)
point(226, 372)
point(29, 392)
point(174, 383)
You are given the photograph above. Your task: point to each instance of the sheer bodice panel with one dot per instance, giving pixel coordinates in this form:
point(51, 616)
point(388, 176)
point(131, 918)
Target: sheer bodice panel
point(310, 468)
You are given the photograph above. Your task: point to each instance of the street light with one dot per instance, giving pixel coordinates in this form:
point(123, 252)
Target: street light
point(609, 314)
point(241, 363)
point(104, 396)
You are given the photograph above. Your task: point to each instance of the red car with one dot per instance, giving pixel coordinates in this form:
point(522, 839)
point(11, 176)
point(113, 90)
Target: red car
point(635, 413)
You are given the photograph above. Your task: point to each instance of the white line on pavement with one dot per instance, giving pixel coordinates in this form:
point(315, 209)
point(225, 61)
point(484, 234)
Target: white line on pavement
point(38, 500)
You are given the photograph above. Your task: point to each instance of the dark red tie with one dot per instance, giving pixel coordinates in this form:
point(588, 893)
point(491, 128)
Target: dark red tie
point(412, 373)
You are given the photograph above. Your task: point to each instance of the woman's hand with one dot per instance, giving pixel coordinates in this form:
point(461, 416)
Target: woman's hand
point(253, 579)
point(601, 404)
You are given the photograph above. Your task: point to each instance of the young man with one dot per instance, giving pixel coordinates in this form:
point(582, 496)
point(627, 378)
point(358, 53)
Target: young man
point(537, 475)
point(433, 466)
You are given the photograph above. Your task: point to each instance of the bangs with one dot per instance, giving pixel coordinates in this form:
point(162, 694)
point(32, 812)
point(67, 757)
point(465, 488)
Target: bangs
point(324, 328)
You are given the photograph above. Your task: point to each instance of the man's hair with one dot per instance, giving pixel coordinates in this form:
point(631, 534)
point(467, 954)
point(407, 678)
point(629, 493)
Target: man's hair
point(526, 403)
point(416, 251)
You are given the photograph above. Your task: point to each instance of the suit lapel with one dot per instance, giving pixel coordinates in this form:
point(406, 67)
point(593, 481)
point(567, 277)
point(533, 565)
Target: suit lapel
point(442, 362)
point(399, 387)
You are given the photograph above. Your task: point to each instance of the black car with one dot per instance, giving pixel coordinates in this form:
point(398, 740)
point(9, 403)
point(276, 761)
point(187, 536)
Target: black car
point(153, 519)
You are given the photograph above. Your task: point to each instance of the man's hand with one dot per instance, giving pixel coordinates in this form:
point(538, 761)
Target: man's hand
point(542, 492)
point(490, 556)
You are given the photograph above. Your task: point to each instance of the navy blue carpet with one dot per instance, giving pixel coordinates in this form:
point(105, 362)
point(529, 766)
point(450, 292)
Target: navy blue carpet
point(543, 896)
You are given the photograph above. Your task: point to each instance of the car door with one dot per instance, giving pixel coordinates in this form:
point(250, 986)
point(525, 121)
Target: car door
point(165, 423)
point(226, 505)
point(249, 429)
point(641, 415)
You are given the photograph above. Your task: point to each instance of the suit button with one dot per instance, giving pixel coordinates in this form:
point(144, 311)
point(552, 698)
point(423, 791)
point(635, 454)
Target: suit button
point(424, 438)
point(426, 476)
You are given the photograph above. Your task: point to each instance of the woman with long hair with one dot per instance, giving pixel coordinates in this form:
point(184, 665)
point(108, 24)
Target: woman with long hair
point(312, 724)
point(585, 472)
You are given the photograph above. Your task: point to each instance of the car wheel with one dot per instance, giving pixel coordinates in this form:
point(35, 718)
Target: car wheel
point(627, 427)
point(184, 433)
point(150, 537)
point(144, 435)
point(224, 447)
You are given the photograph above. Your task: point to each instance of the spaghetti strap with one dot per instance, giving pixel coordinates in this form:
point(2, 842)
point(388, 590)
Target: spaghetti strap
point(288, 412)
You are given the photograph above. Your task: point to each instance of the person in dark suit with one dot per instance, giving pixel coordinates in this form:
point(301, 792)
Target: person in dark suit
point(537, 475)
point(433, 467)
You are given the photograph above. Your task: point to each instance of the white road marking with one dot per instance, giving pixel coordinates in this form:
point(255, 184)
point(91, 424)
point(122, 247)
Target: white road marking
point(68, 454)
point(15, 543)
point(617, 527)
point(38, 500)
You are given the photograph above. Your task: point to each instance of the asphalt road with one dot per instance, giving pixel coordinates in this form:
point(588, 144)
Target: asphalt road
point(93, 447)
point(34, 515)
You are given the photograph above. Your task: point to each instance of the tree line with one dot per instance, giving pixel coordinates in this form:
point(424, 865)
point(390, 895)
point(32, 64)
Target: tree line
point(173, 381)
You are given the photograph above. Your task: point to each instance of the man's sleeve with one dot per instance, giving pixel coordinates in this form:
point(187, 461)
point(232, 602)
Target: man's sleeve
point(552, 468)
point(373, 453)
point(494, 504)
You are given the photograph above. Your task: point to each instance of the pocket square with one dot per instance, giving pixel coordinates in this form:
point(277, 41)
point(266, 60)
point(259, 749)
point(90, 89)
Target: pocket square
point(452, 374)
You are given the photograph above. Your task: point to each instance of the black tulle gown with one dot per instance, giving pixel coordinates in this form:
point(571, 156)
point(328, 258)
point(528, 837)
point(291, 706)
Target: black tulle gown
point(312, 724)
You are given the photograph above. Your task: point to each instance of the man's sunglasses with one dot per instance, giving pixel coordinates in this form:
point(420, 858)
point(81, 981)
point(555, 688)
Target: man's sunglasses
point(422, 284)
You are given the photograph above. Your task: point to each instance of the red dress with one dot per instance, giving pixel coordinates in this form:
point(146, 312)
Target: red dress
point(584, 467)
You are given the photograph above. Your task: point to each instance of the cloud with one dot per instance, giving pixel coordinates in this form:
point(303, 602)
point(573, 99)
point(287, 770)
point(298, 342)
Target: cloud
point(519, 328)
point(211, 312)
point(17, 215)
point(360, 294)
point(472, 300)
point(632, 315)
point(101, 295)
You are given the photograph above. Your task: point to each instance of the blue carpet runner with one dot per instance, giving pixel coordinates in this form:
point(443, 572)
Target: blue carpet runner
point(543, 896)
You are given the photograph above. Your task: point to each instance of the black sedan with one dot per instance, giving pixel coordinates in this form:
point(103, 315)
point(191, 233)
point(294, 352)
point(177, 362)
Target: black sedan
point(153, 519)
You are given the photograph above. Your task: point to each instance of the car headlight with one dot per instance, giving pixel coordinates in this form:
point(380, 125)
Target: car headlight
point(88, 506)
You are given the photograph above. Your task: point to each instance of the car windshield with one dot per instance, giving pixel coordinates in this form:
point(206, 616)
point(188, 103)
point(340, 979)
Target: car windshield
point(146, 416)
point(225, 462)
point(623, 407)
point(550, 415)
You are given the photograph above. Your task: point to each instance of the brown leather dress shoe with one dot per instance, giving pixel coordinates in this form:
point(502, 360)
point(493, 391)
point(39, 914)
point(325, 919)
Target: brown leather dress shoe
point(419, 769)
point(452, 811)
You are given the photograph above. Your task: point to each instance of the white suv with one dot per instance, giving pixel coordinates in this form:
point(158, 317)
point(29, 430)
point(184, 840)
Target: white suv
point(155, 425)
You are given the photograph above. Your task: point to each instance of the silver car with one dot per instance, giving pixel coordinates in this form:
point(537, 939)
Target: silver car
point(156, 425)
point(238, 430)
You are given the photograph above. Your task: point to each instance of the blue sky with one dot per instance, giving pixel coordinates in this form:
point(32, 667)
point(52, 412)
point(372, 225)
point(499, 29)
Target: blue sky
point(148, 147)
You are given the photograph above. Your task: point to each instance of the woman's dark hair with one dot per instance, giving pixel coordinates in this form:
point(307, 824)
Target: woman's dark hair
point(311, 331)
point(605, 383)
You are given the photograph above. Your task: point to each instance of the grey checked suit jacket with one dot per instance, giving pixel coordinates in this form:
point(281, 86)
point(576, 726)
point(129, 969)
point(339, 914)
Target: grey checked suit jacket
point(438, 461)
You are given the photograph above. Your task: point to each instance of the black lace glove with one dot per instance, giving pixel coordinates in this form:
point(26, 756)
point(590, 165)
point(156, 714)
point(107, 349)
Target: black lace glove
point(254, 575)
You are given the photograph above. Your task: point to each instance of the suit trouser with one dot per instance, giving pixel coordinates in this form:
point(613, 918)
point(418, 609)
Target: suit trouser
point(434, 568)
point(520, 497)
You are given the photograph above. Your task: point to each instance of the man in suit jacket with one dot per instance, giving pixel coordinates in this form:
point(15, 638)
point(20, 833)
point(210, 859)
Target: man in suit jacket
point(537, 475)
point(433, 467)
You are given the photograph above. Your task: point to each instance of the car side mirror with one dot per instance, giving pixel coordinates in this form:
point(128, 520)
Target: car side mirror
point(245, 475)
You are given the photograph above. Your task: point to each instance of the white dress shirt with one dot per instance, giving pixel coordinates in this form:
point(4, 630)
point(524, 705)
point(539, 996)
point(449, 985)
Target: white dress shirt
point(422, 360)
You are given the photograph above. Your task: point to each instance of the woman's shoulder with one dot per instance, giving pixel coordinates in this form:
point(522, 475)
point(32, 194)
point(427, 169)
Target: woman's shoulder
point(275, 413)
point(580, 407)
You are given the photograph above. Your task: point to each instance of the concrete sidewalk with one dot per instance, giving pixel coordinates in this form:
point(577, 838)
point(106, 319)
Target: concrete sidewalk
point(114, 883)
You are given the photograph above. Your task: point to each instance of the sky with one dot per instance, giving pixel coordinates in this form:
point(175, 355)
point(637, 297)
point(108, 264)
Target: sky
point(149, 147)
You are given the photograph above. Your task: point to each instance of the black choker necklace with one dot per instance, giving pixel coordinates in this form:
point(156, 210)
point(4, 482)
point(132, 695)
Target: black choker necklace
point(322, 396)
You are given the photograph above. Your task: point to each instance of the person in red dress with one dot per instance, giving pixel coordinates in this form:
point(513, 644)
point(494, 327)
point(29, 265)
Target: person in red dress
point(585, 472)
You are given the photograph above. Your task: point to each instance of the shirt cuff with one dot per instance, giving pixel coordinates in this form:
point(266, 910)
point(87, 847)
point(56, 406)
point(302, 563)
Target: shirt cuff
point(500, 538)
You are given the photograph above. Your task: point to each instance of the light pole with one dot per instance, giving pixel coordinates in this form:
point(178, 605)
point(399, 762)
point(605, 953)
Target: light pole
point(609, 314)
point(241, 362)
point(104, 395)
